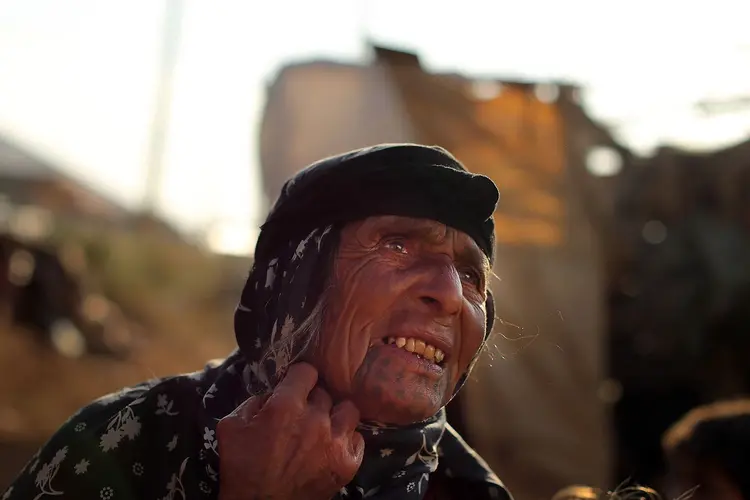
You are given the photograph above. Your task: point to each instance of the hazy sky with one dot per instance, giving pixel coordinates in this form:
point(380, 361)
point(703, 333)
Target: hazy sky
point(77, 77)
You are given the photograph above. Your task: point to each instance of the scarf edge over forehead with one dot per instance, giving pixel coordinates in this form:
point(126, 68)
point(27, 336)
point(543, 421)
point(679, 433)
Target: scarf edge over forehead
point(389, 179)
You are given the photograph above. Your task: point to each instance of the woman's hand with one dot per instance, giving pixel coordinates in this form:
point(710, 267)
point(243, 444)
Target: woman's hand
point(293, 444)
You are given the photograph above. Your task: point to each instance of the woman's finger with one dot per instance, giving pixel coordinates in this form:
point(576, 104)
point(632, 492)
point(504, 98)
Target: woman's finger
point(344, 419)
point(320, 400)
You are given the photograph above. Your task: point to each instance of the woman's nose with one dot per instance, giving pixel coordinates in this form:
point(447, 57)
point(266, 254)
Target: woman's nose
point(440, 289)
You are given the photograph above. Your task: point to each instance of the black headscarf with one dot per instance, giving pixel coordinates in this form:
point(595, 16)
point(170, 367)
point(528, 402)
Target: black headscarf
point(158, 439)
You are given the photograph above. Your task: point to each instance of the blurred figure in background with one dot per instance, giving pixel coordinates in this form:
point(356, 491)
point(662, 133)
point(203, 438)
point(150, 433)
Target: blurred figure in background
point(42, 291)
point(709, 450)
point(578, 493)
point(589, 493)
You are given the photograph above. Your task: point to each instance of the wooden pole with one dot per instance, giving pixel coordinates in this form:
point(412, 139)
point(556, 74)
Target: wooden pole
point(173, 12)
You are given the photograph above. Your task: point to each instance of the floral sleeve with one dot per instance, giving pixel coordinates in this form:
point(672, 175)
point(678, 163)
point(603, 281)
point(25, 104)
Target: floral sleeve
point(74, 463)
point(148, 442)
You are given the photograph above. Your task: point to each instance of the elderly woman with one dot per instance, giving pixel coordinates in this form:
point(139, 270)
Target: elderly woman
point(366, 308)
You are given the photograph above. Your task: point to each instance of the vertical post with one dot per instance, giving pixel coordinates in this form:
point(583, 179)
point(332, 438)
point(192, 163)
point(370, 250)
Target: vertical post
point(173, 11)
point(364, 25)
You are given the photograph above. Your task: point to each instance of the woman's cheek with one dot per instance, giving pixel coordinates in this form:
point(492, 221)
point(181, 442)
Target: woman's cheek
point(471, 340)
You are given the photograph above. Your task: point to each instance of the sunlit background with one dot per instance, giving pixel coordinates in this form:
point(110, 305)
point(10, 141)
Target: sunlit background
point(79, 79)
point(142, 143)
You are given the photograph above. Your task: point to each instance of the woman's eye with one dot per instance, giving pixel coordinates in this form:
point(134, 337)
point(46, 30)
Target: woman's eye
point(398, 246)
point(471, 276)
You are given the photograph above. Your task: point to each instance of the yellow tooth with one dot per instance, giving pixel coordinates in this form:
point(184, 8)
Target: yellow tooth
point(400, 342)
point(410, 345)
point(439, 355)
point(391, 340)
point(419, 346)
point(429, 352)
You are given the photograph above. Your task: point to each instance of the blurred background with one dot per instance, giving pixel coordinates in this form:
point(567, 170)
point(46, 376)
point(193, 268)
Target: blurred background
point(141, 143)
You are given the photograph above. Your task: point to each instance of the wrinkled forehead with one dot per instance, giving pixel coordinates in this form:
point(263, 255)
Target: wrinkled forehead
point(427, 231)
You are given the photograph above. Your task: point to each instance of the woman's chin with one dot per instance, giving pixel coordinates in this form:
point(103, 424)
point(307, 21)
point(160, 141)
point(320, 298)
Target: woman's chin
point(388, 405)
point(388, 389)
point(396, 417)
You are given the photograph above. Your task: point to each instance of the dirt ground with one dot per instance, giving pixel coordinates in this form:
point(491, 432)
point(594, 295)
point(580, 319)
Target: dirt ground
point(39, 389)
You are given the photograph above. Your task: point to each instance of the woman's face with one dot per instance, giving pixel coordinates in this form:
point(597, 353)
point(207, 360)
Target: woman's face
point(405, 317)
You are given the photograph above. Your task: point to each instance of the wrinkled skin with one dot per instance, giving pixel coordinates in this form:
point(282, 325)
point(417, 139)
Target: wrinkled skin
point(392, 276)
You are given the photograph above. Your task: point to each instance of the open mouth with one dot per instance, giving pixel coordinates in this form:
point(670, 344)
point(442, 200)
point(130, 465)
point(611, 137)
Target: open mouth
point(418, 347)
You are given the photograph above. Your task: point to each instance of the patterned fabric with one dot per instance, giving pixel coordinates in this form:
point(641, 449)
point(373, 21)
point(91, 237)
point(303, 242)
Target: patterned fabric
point(157, 440)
